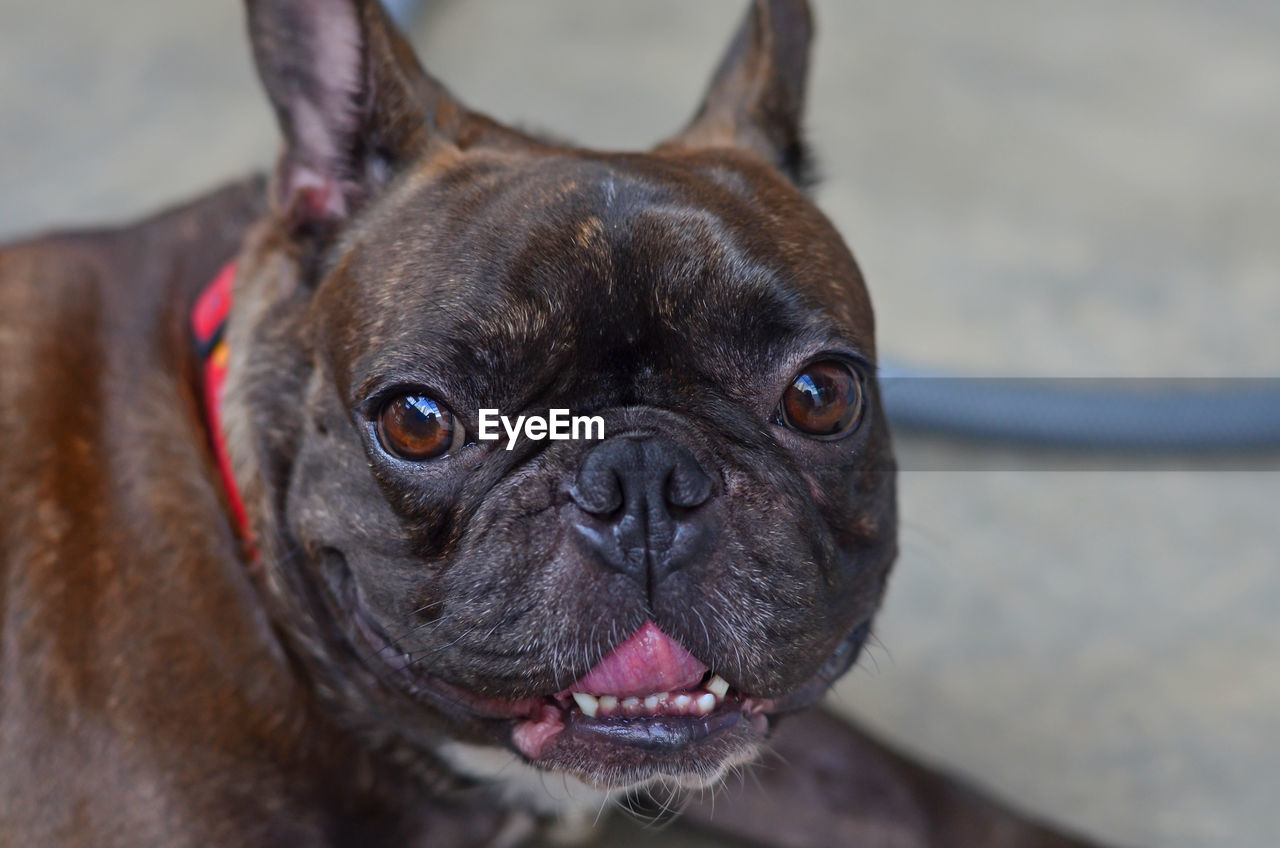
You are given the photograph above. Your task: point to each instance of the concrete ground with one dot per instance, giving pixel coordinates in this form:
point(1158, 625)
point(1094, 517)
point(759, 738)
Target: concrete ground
point(1082, 189)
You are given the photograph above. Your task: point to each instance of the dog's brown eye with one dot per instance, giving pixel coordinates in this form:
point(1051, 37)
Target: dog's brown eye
point(825, 401)
point(416, 428)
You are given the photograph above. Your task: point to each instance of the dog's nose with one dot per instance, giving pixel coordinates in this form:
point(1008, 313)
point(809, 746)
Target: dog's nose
point(641, 496)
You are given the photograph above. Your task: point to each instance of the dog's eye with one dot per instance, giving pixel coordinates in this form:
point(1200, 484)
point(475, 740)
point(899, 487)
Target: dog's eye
point(417, 428)
point(825, 400)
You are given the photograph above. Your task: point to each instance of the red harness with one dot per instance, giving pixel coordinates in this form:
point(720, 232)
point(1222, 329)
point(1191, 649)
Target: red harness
point(209, 323)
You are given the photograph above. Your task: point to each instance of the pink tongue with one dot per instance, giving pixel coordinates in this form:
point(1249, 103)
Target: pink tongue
point(647, 663)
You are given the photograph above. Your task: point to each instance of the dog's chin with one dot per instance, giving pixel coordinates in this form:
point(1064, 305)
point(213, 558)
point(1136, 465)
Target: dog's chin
point(688, 738)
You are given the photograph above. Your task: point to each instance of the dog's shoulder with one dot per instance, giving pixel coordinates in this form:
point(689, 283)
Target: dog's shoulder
point(117, 563)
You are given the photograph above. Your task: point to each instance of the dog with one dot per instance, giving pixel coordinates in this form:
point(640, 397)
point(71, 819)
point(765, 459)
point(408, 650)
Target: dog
point(266, 585)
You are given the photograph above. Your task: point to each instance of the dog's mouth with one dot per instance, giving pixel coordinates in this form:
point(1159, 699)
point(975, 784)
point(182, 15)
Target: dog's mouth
point(648, 708)
point(649, 694)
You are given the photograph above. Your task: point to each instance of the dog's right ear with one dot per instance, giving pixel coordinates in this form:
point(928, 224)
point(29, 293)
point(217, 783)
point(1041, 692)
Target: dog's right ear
point(352, 101)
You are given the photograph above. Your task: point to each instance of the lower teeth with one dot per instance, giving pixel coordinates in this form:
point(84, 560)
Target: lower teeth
point(696, 703)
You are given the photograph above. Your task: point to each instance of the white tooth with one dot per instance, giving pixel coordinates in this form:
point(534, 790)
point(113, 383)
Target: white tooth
point(682, 701)
point(651, 703)
point(630, 703)
point(706, 702)
point(587, 703)
point(719, 686)
point(608, 703)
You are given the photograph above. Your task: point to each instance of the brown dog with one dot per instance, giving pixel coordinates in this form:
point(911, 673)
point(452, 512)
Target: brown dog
point(413, 626)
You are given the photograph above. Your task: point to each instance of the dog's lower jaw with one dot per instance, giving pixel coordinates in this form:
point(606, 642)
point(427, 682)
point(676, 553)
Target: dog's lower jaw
point(570, 806)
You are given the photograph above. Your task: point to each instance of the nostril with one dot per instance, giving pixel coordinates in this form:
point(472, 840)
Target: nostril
point(598, 492)
point(687, 487)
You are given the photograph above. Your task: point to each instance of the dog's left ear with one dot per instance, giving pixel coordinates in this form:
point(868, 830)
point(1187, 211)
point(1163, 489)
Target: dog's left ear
point(352, 101)
point(756, 98)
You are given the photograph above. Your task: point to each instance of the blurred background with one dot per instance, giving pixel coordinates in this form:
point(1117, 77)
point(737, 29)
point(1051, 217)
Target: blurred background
point(1087, 189)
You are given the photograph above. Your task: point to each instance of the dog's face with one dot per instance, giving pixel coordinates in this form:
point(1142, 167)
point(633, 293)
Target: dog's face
point(624, 608)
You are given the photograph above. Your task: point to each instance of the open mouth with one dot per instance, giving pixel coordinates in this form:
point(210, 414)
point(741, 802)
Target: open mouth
point(649, 693)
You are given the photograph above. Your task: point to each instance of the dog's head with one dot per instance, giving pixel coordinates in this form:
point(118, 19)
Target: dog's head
point(624, 609)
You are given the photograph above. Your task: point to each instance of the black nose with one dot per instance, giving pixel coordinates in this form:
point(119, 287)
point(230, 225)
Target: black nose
point(640, 496)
